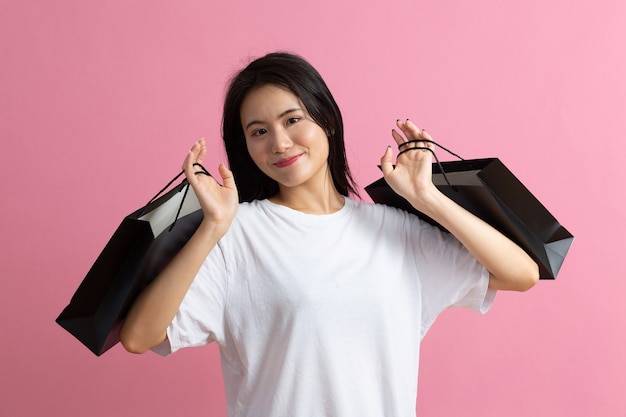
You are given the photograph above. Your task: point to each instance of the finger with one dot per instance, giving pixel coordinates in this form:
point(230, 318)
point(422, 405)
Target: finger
point(397, 137)
point(188, 162)
point(227, 177)
point(414, 133)
point(410, 129)
point(426, 135)
point(386, 162)
point(202, 151)
point(405, 124)
point(190, 166)
point(193, 152)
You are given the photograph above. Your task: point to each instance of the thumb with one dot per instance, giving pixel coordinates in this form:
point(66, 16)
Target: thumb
point(227, 177)
point(386, 163)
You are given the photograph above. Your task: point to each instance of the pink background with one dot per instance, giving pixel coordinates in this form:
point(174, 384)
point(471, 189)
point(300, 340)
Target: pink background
point(99, 101)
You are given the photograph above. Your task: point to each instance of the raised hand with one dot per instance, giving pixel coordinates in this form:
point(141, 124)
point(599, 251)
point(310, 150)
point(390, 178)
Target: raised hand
point(219, 203)
point(147, 321)
point(412, 175)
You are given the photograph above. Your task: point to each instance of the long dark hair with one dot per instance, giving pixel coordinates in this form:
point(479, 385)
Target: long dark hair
point(298, 76)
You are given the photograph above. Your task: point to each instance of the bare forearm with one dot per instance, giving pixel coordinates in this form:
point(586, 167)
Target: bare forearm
point(509, 266)
point(153, 311)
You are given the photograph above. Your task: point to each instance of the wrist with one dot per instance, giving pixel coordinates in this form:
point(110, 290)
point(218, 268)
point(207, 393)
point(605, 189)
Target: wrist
point(431, 202)
point(211, 231)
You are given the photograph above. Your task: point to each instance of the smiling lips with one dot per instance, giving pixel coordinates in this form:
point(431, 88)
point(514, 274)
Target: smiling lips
point(287, 161)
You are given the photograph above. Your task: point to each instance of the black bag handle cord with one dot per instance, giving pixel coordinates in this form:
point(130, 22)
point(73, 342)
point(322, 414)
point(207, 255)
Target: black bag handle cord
point(445, 177)
point(203, 171)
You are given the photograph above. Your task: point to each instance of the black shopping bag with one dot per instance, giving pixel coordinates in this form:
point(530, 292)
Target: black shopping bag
point(140, 248)
point(486, 188)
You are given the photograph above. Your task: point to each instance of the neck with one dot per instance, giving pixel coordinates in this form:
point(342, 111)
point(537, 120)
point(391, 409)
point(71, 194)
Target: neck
point(326, 202)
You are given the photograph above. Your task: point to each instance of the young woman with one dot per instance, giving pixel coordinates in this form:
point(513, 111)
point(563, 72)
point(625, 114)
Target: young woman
point(318, 302)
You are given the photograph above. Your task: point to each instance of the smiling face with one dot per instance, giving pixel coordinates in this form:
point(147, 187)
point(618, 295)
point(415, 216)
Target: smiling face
point(283, 140)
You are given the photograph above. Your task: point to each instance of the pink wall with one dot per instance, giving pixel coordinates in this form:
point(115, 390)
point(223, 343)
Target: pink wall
point(99, 101)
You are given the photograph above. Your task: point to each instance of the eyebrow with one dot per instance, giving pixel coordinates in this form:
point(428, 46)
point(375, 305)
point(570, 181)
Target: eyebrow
point(286, 112)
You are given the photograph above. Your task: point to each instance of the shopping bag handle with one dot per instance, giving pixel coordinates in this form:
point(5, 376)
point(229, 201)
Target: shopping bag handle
point(429, 141)
point(424, 148)
point(202, 171)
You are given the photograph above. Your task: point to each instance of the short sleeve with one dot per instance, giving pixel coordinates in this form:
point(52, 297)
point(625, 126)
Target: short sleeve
point(450, 276)
point(200, 318)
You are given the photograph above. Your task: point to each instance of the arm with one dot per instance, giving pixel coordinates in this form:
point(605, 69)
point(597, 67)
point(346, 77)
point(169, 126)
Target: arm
point(147, 321)
point(510, 268)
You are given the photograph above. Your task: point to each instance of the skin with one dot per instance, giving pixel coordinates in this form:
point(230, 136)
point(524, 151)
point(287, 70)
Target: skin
point(289, 147)
point(509, 266)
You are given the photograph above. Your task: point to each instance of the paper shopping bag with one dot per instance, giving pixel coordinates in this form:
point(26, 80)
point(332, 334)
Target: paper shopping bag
point(489, 190)
point(140, 248)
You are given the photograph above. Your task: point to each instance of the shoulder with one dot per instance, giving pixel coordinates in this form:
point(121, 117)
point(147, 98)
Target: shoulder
point(383, 212)
point(248, 214)
point(252, 210)
point(248, 226)
point(397, 222)
point(389, 221)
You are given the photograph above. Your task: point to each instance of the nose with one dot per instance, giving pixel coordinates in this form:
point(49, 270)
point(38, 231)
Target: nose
point(281, 142)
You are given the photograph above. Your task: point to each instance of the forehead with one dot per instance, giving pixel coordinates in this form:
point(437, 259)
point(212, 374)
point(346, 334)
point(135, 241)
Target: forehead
point(267, 102)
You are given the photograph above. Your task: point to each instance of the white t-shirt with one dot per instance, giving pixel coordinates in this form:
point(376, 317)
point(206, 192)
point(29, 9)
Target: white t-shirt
point(322, 315)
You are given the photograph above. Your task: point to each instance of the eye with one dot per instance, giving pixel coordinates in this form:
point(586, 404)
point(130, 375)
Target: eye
point(292, 120)
point(259, 132)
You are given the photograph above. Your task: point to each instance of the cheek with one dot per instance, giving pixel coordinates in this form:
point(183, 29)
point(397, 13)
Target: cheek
point(259, 156)
point(316, 138)
point(324, 145)
point(253, 150)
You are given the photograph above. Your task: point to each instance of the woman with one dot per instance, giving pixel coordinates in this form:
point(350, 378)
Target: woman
point(318, 302)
